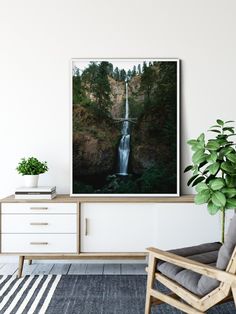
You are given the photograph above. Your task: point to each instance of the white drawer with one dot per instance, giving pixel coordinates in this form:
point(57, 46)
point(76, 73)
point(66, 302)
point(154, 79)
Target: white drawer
point(39, 208)
point(39, 223)
point(39, 243)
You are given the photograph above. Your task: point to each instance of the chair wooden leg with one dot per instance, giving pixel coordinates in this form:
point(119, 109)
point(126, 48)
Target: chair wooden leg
point(233, 287)
point(21, 264)
point(30, 261)
point(150, 280)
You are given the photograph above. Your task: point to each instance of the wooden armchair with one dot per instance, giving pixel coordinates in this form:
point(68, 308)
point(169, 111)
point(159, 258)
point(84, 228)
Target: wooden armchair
point(199, 285)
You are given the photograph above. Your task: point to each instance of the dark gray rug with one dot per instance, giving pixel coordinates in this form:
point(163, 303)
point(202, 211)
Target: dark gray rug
point(110, 294)
point(82, 294)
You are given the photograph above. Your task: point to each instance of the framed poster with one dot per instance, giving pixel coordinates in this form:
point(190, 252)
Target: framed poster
point(125, 127)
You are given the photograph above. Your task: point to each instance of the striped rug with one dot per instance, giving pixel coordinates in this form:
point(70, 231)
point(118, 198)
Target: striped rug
point(83, 294)
point(29, 294)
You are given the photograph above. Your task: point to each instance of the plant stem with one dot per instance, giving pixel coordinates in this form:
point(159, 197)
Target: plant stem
point(223, 225)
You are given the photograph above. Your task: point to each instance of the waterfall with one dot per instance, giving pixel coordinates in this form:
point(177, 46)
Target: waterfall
point(124, 146)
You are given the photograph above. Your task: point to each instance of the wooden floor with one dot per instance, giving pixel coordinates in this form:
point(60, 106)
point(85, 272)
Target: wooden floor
point(74, 269)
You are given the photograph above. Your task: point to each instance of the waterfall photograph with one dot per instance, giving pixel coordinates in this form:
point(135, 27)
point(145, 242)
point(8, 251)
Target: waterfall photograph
point(125, 127)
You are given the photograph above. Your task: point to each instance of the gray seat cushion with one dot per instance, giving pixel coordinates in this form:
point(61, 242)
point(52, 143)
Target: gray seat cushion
point(214, 254)
point(200, 285)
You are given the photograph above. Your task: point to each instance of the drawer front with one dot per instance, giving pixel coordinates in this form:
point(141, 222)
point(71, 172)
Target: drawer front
point(39, 243)
point(39, 223)
point(39, 208)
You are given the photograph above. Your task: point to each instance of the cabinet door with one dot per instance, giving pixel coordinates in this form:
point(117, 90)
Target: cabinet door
point(112, 227)
point(134, 227)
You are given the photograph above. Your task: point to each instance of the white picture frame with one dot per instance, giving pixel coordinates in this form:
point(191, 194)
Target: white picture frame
point(81, 63)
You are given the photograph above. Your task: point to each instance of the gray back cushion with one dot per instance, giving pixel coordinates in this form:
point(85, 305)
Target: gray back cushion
point(207, 284)
point(227, 248)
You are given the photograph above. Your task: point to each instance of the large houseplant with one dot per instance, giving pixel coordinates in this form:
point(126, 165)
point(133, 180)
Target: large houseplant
point(31, 168)
point(214, 169)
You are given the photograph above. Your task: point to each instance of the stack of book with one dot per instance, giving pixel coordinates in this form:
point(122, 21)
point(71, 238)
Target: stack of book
point(39, 193)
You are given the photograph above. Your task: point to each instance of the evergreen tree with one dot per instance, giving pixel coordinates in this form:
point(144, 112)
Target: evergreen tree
point(134, 71)
point(116, 74)
point(147, 80)
point(122, 75)
point(77, 90)
point(110, 69)
point(129, 75)
point(101, 87)
point(139, 69)
point(144, 66)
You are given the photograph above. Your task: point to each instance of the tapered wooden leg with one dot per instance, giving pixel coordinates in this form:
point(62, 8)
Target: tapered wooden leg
point(150, 280)
point(30, 261)
point(233, 287)
point(21, 264)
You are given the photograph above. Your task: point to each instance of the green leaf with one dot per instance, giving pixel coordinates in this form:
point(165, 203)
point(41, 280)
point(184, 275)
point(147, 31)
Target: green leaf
point(212, 157)
point(222, 136)
point(192, 179)
point(208, 179)
point(199, 156)
point(226, 151)
point(202, 164)
point(231, 157)
point(197, 146)
point(229, 121)
point(231, 203)
point(215, 126)
point(201, 187)
point(202, 197)
point(217, 184)
point(214, 168)
point(212, 145)
point(205, 171)
point(192, 142)
point(218, 198)
point(231, 130)
point(230, 192)
point(227, 167)
point(222, 141)
point(212, 208)
point(198, 180)
point(188, 168)
point(230, 181)
point(201, 137)
point(216, 131)
point(220, 122)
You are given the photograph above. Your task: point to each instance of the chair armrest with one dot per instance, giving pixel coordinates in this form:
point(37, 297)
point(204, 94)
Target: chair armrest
point(187, 263)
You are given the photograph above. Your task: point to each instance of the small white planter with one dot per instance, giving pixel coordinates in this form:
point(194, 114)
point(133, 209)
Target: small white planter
point(31, 181)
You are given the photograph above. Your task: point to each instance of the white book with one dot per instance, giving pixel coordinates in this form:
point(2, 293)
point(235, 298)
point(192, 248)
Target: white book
point(37, 190)
point(35, 196)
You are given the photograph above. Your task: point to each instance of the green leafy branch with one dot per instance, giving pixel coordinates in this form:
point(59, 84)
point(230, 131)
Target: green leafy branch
point(214, 169)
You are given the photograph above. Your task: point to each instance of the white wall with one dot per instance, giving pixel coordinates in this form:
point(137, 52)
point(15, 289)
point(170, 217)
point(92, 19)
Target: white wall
point(38, 39)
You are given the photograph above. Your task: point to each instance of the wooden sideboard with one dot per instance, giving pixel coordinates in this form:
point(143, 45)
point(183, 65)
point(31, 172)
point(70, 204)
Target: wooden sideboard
point(83, 228)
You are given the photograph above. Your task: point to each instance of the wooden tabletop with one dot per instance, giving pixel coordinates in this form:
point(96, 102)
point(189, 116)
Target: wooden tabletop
point(66, 198)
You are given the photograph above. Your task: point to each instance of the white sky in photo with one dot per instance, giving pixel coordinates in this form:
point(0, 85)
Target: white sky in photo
point(126, 64)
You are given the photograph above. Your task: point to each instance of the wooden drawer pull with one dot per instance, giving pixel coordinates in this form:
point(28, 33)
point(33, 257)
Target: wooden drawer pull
point(39, 208)
point(39, 223)
point(39, 243)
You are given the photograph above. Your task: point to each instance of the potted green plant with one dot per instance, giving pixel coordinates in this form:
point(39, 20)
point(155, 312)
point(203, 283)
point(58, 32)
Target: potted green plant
point(214, 170)
point(31, 168)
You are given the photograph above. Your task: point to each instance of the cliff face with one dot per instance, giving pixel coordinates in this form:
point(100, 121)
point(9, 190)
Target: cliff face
point(96, 139)
point(94, 143)
point(117, 97)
